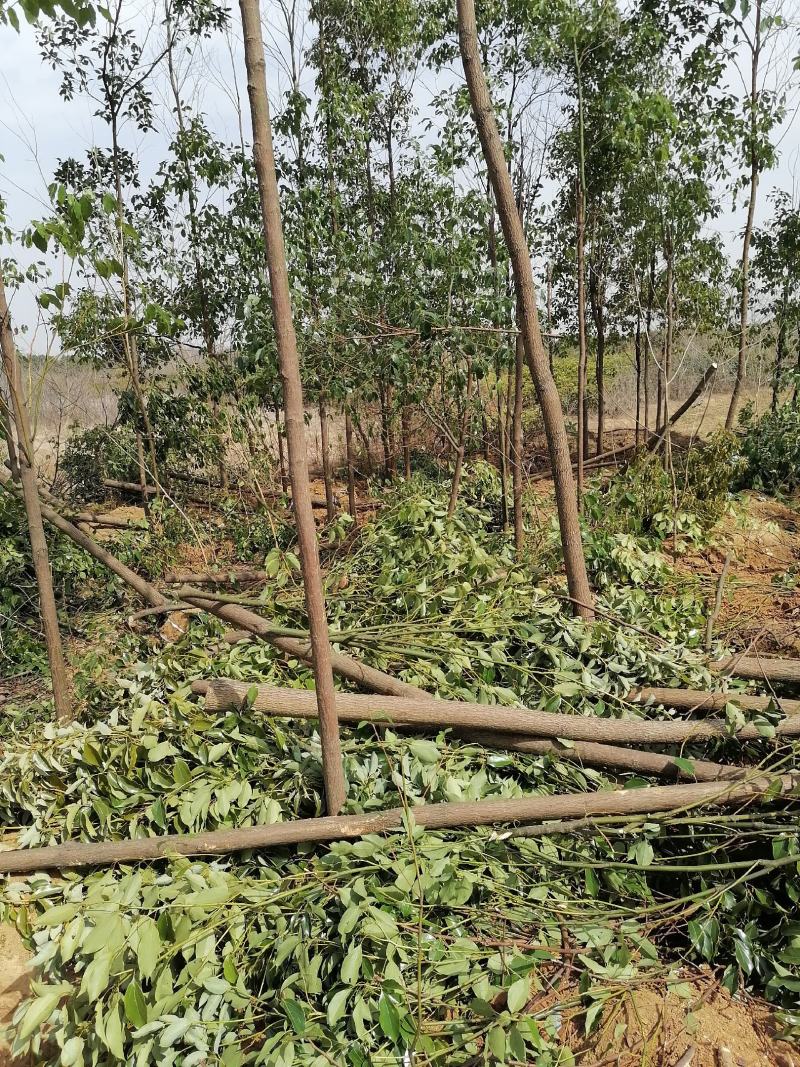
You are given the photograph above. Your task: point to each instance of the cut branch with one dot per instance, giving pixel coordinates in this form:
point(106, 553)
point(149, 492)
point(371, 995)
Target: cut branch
point(225, 693)
point(431, 816)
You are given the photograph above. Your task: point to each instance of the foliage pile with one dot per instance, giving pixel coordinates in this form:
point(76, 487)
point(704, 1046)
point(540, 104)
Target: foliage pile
point(771, 448)
point(434, 946)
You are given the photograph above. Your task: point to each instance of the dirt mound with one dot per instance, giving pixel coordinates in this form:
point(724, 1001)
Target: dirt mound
point(761, 596)
point(14, 964)
point(655, 1025)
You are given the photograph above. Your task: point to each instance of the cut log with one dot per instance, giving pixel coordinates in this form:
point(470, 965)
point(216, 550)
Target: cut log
point(432, 816)
point(113, 521)
point(614, 756)
point(426, 711)
point(231, 576)
point(696, 700)
point(129, 487)
point(760, 668)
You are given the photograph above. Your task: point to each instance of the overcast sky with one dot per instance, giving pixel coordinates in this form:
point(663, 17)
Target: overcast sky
point(37, 128)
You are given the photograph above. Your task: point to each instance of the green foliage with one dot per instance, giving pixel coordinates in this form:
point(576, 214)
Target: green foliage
point(643, 501)
point(92, 455)
point(771, 449)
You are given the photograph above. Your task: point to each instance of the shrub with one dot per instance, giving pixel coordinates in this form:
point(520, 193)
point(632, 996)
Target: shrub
point(771, 449)
point(93, 455)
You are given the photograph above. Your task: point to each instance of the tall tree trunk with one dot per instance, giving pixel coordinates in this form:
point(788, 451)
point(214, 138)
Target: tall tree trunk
point(549, 401)
point(129, 342)
point(651, 295)
point(206, 323)
point(744, 294)
point(351, 479)
point(325, 448)
point(22, 458)
point(386, 441)
point(583, 428)
point(281, 452)
point(405, 432)
point(597, 302)
point(637, 347)
point(333, 774)
point(455, 485)
point(668, 343)
point(780, 348)
point(501, 442)
point(550, 315)
point(516, 451)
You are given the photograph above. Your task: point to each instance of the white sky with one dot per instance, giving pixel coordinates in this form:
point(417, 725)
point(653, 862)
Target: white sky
point(37, 128)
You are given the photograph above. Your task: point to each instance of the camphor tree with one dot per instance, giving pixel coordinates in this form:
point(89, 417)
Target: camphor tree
point(538, 363)
point(775, 266)
point(335, 788)
point(16, 429)
point(109, 65)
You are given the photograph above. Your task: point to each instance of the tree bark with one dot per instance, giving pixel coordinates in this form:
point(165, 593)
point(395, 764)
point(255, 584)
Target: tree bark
point(516, 448)
point(431, 816)
point(22, 457)
point(325, 445)
point(744, 294)
point(549, 401)
point(780, 348)
point(351, 478)
point(582, 442)
point(335, 789)
point(425, 710)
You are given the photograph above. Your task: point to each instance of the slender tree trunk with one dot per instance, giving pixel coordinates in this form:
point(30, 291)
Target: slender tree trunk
point(281, 452)
point(637, 345)
point(648, 322)
point(351, 479)
point(405, 432)
point(780, 348)
point(460, 449)
point(549, 401)
point(385, 435)
point(206, 323)
point(501, 441)
point(325, 446)
point(744, 297)
point(550, 315)
point(668, 343)
point(22, 459)
point(583, 427)
point(335, 789)
point(516, 452)
point(129, 341)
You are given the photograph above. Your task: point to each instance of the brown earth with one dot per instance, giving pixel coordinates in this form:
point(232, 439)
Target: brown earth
point(650, 1025)
point(14, 963)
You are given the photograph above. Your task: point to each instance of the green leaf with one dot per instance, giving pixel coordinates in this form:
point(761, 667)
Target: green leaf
point(685, 765)
point(296, 1016)
point(389, 1018)
point(148, 948)
point(643, 853)
point(113, 1027)
point(519, 994)
point(72, 1052)
point(337, 1006)
point(497, 1043)
point(135, 1005)
point(95, 977)
point(38, 1012)
point(351, 965)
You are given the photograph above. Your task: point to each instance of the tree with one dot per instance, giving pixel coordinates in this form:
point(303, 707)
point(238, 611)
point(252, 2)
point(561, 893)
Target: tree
point(335, 789)
point(22, 458)
point(536, 356)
